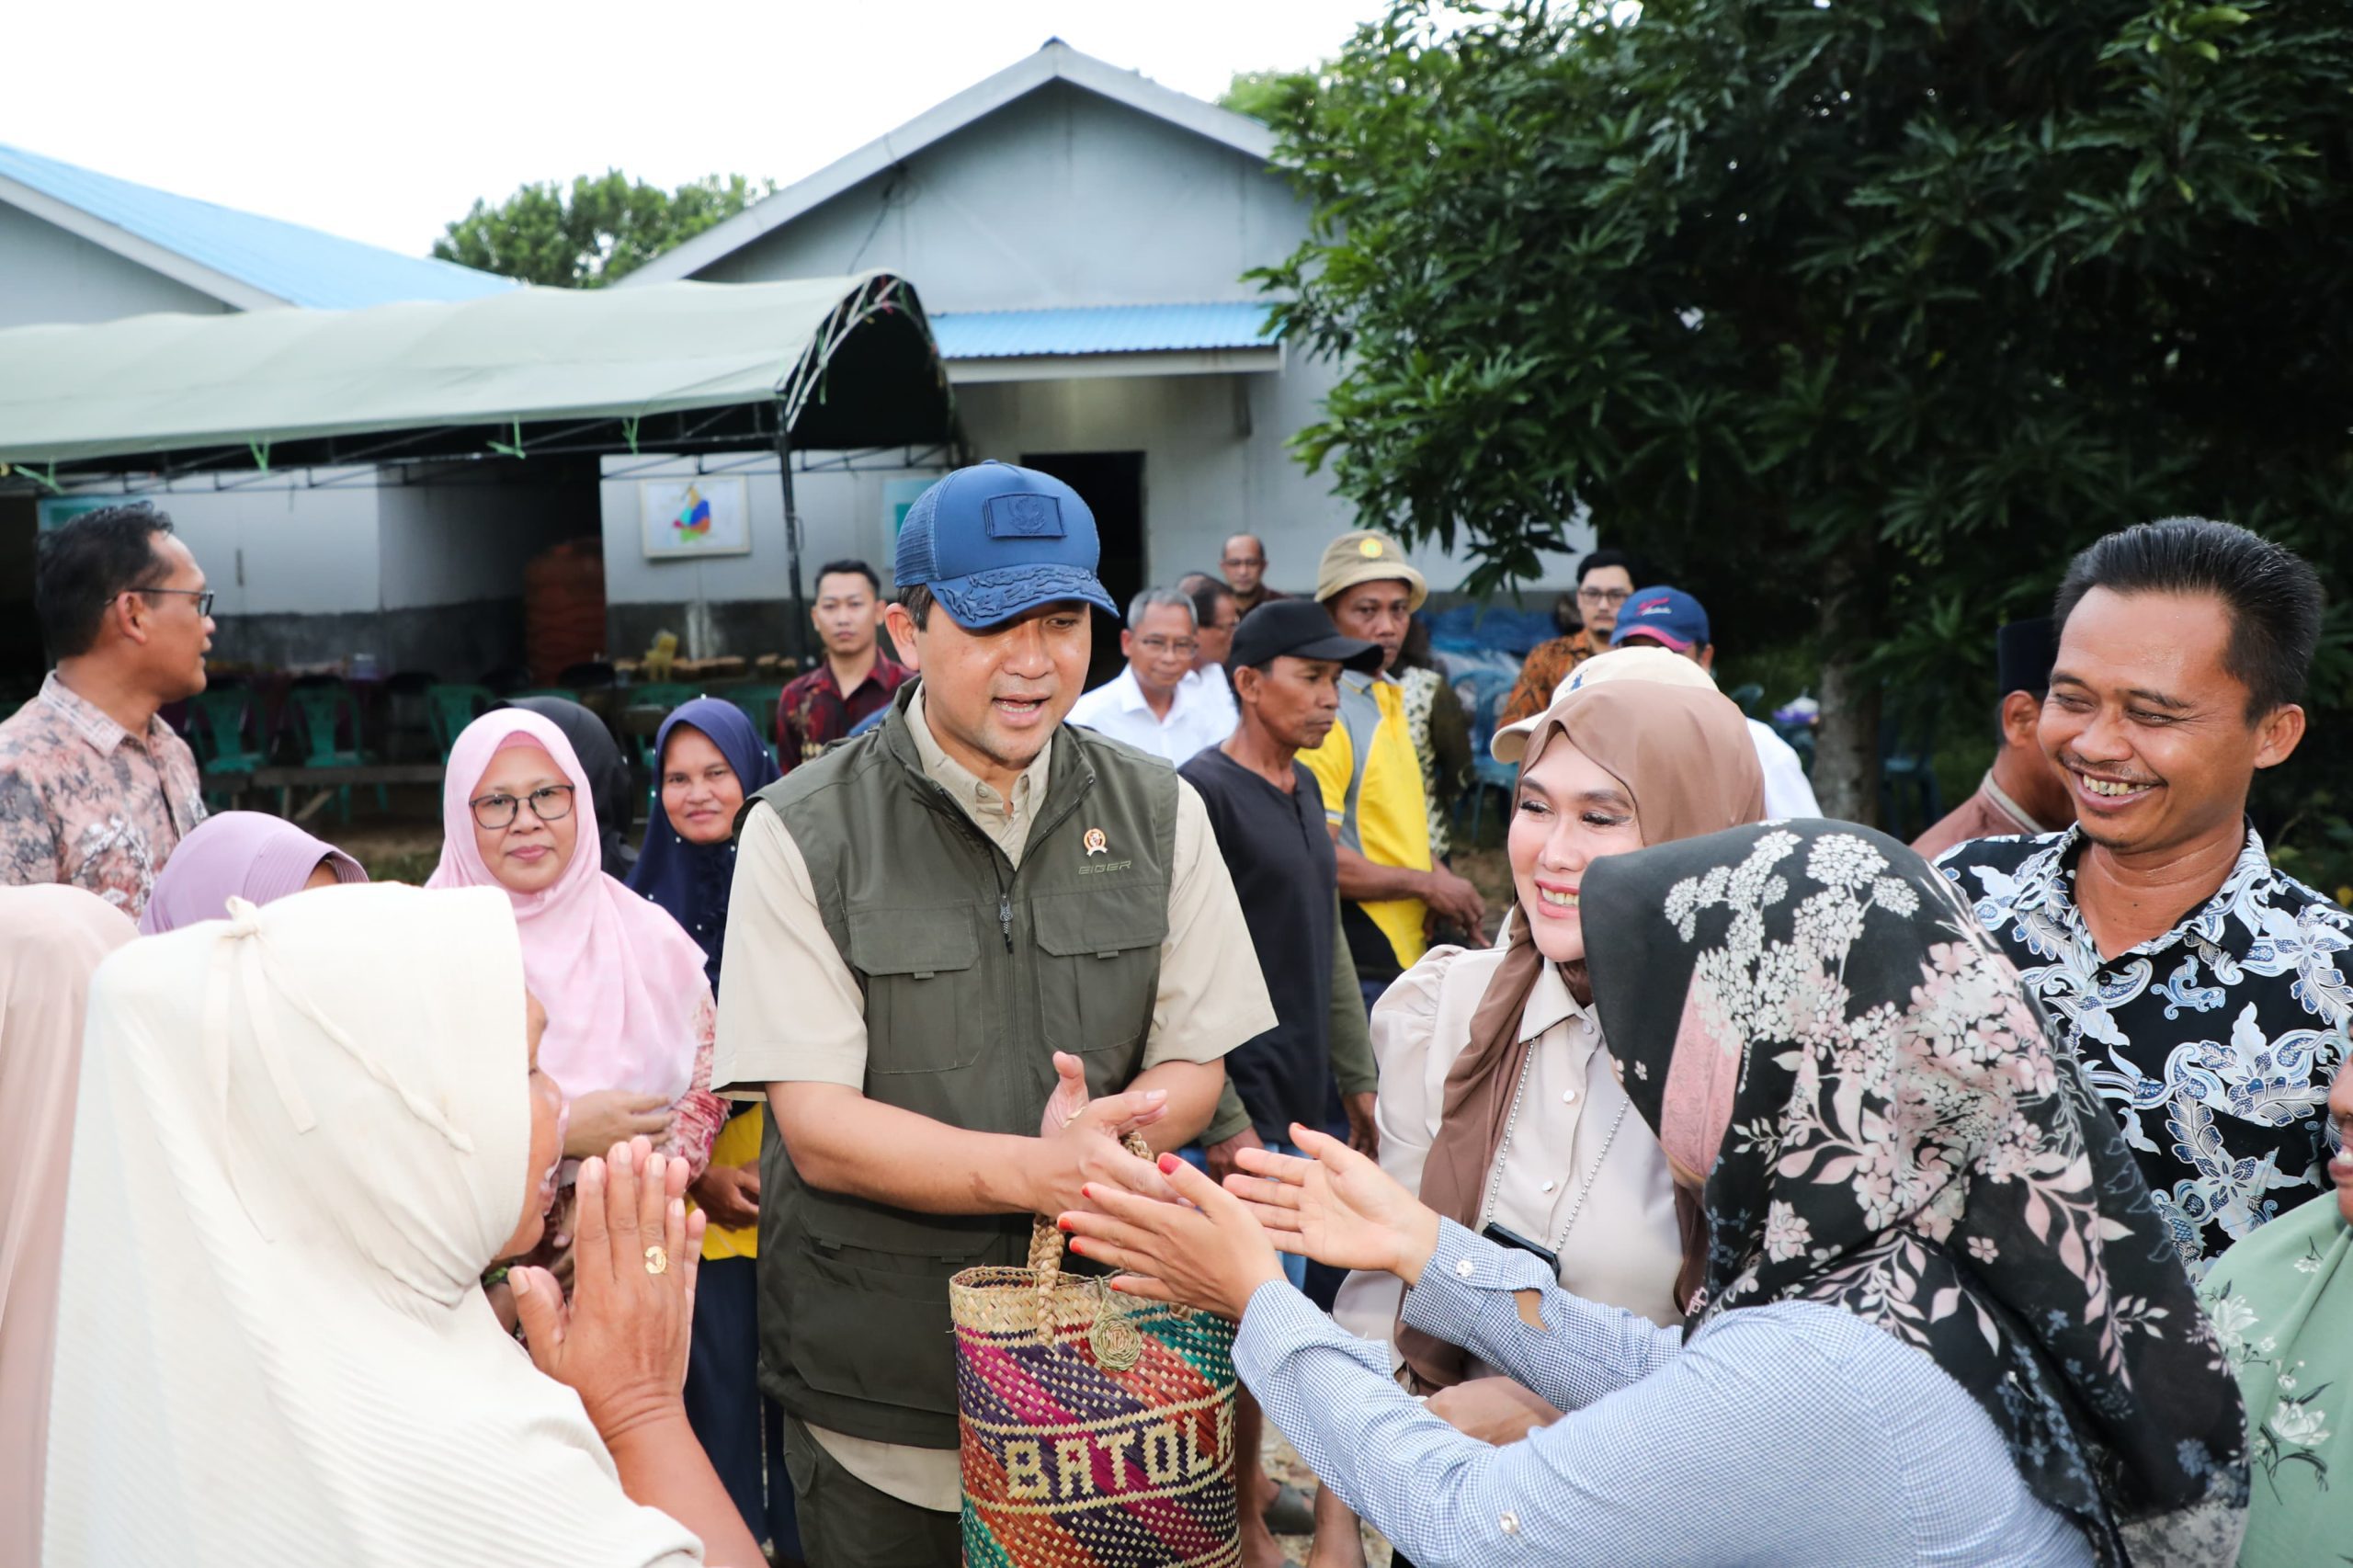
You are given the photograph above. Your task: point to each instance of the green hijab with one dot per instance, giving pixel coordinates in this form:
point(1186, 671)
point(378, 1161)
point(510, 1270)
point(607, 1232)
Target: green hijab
point(2281, 1301)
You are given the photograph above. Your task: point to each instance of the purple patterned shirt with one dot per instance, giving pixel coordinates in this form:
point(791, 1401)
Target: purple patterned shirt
point(85, 801)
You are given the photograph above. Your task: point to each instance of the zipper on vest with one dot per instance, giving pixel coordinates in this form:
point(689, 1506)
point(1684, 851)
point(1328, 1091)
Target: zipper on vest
point(1005, 917)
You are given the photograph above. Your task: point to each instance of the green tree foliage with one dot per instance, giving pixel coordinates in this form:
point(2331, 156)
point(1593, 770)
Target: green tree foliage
point(1861, 314)
point(603, 228)
point(1273, 96)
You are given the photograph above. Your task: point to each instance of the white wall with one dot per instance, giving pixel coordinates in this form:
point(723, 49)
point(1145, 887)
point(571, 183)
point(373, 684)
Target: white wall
point(48, 275)
point(444, 543)
point(278, 550)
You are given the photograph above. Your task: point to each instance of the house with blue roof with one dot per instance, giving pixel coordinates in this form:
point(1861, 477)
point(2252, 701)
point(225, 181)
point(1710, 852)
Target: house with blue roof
point(1080, 235)
point(77, 246)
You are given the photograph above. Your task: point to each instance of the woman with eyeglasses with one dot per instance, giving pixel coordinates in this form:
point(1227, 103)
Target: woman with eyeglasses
point(630, 1012)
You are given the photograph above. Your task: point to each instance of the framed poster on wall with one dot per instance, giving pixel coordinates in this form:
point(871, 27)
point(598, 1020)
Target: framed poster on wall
point(708, 515)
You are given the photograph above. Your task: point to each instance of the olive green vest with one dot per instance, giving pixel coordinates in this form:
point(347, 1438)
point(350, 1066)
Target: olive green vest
point(974, 974)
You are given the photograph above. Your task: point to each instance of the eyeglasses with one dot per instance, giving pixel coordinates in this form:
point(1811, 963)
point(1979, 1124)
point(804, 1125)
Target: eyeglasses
point(203, 597)
point(550, 803)
point(1161, 647)
point(1612, 596)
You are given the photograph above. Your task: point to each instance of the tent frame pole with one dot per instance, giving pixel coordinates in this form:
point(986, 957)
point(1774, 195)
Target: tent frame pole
point(799, 640)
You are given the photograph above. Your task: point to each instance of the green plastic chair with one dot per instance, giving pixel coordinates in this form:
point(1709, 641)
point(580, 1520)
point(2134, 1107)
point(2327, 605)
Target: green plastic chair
point(757, 704)
point(452, 707)
point(665, 695)
point(320, 713)
point(219, 722)
point(565, 692)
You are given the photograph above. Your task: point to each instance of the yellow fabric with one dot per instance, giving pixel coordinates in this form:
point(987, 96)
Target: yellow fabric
point(1392, 826)
point(738, 1143)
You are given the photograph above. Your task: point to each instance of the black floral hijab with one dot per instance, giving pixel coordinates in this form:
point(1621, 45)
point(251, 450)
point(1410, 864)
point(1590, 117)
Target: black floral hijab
point(1895, 1135)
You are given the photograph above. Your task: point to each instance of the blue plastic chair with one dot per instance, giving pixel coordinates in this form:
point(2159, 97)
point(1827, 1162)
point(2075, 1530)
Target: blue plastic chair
point(1486, 773)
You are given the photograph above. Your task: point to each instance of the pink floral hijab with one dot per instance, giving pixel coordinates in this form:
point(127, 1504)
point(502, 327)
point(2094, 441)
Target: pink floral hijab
point(619, 980)
point(1805, 1014)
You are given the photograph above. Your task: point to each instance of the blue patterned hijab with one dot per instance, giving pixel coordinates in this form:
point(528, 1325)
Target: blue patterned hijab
point(691, 881)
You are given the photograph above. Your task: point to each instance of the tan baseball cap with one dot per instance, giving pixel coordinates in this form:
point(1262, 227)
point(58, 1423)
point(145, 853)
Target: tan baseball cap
point(1366, 557)
point(1651, 664)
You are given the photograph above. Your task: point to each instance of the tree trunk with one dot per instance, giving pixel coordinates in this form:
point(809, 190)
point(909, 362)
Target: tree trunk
point(1846, 749)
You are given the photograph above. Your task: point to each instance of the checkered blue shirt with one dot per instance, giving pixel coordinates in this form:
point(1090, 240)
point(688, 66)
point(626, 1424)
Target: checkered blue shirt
point(1788, 1434)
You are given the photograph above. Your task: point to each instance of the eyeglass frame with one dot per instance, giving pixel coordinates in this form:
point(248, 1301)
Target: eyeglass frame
point(531, 800)
point(1160, 647)
point(1607, 596)
point(203, 597)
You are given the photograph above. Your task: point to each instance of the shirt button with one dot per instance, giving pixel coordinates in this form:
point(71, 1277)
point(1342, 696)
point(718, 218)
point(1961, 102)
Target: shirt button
point(1548, 1186)
point(1464, 1268)
point(1509, 1523)
point(1568, 1097)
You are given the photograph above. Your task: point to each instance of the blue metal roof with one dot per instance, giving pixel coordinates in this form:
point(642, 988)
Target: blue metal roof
point(287, 261)
point(1102, 329)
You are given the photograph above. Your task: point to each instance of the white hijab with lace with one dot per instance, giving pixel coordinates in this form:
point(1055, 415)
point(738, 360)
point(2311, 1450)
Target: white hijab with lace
point(302, 1134)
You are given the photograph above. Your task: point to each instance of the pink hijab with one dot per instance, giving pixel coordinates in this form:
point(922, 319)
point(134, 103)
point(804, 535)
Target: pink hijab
point(618, 976)
point(52, 940)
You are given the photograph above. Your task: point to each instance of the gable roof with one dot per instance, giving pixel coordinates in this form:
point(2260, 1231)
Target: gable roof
point(1056, 62)
point(240, 258)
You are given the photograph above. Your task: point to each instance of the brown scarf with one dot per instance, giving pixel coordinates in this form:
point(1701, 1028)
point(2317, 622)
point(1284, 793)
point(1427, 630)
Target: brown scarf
point(1684, 753)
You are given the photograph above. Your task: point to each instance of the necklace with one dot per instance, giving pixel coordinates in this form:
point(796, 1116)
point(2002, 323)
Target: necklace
point(1503, 1158)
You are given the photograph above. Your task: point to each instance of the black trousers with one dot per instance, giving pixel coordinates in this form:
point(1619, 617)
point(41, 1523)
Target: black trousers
point(740, 1430)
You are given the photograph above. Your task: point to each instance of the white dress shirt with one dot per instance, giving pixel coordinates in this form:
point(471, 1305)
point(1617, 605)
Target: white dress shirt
point(1201, 715)
point(1787, 791)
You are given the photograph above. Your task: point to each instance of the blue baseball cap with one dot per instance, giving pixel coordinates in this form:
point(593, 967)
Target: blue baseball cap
point(1669, 617)
point(993, 541)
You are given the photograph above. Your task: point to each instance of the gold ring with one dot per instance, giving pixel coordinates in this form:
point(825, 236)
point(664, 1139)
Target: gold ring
point(656, 1260)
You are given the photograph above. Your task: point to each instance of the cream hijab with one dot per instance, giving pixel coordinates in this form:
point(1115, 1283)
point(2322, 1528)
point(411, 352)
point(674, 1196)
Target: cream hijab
point(52, 938)
point(302, 1134)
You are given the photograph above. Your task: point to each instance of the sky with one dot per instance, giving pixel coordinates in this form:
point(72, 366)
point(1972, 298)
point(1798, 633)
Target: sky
point(384, 123)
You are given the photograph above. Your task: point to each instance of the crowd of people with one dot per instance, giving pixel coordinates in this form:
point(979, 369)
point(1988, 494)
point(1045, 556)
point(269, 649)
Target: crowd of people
point(1750, 1188)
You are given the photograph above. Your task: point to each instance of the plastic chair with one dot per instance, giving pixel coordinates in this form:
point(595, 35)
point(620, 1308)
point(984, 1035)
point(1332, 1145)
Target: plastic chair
point(320, 713)
point(452, 707)
point(220, 718)
point(757, 702)
point(564, 692)
point(665, 695)
point(1486, 773)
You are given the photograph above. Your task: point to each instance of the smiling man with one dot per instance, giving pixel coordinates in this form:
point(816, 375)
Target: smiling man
point(936, 929)
point(2199, 985)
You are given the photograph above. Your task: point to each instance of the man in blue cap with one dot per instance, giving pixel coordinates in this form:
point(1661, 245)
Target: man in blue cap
point(966, 951)
point(1673, 619)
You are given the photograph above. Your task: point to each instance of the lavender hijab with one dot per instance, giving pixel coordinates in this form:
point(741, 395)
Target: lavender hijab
point(247, 855)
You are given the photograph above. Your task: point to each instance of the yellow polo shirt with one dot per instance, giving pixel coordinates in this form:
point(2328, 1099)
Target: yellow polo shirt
point(738, 1143)
point(1376, 798)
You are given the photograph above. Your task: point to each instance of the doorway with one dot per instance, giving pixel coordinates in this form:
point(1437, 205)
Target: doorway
point(1111, 483)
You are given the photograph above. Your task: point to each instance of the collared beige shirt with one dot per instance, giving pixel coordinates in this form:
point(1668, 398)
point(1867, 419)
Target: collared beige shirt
point(793, 1012)
point(1619, 1243)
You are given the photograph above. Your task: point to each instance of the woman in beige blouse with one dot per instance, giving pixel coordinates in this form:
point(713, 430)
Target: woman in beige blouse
point(1496, 1103)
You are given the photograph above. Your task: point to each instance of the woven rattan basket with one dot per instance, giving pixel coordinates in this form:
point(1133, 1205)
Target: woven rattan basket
point(1098, 1429)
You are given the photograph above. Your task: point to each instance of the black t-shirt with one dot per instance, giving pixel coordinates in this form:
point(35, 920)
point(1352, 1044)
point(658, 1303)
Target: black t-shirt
point(1281, 855)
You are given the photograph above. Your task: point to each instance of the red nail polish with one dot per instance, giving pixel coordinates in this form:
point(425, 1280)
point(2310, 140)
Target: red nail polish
point(1168, 1164)
point(1063, 1222)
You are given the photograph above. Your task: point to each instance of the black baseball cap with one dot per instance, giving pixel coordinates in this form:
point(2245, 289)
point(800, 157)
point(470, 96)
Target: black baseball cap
point(1302, 628)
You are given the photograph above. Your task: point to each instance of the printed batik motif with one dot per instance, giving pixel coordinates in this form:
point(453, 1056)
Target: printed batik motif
point(2213, 1045)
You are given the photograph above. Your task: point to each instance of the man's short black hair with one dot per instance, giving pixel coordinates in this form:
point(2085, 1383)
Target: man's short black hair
point(855, 568)
point(2273, 597)
point(1625, 558)
point(916, 600)
point(1205, 591)
point(80, 568)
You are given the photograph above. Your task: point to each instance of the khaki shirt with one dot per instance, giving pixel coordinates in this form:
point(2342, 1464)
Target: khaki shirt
point(1622, 1246)
point(794, 1014)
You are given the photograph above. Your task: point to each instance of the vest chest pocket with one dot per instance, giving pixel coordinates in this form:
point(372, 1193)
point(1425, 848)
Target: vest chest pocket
point(923, 988)
point(1099, 968)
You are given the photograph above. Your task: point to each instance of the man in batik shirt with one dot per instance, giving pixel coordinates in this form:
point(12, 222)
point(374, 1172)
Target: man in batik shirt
point(96, 790)
point(2200, 986)
point(855, 681)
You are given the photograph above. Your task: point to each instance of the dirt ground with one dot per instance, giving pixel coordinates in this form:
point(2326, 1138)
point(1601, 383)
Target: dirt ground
point(1284, 1464)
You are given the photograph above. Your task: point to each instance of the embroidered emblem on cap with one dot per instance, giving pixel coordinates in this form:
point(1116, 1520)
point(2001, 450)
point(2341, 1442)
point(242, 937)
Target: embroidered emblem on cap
point(1367, 548)
point(1095, 843)
point(1023, 517)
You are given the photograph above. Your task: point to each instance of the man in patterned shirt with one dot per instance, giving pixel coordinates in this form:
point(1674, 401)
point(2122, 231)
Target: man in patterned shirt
point(1605, 580)
point(857, 678)
point(95, 789)
point(2200, 986)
